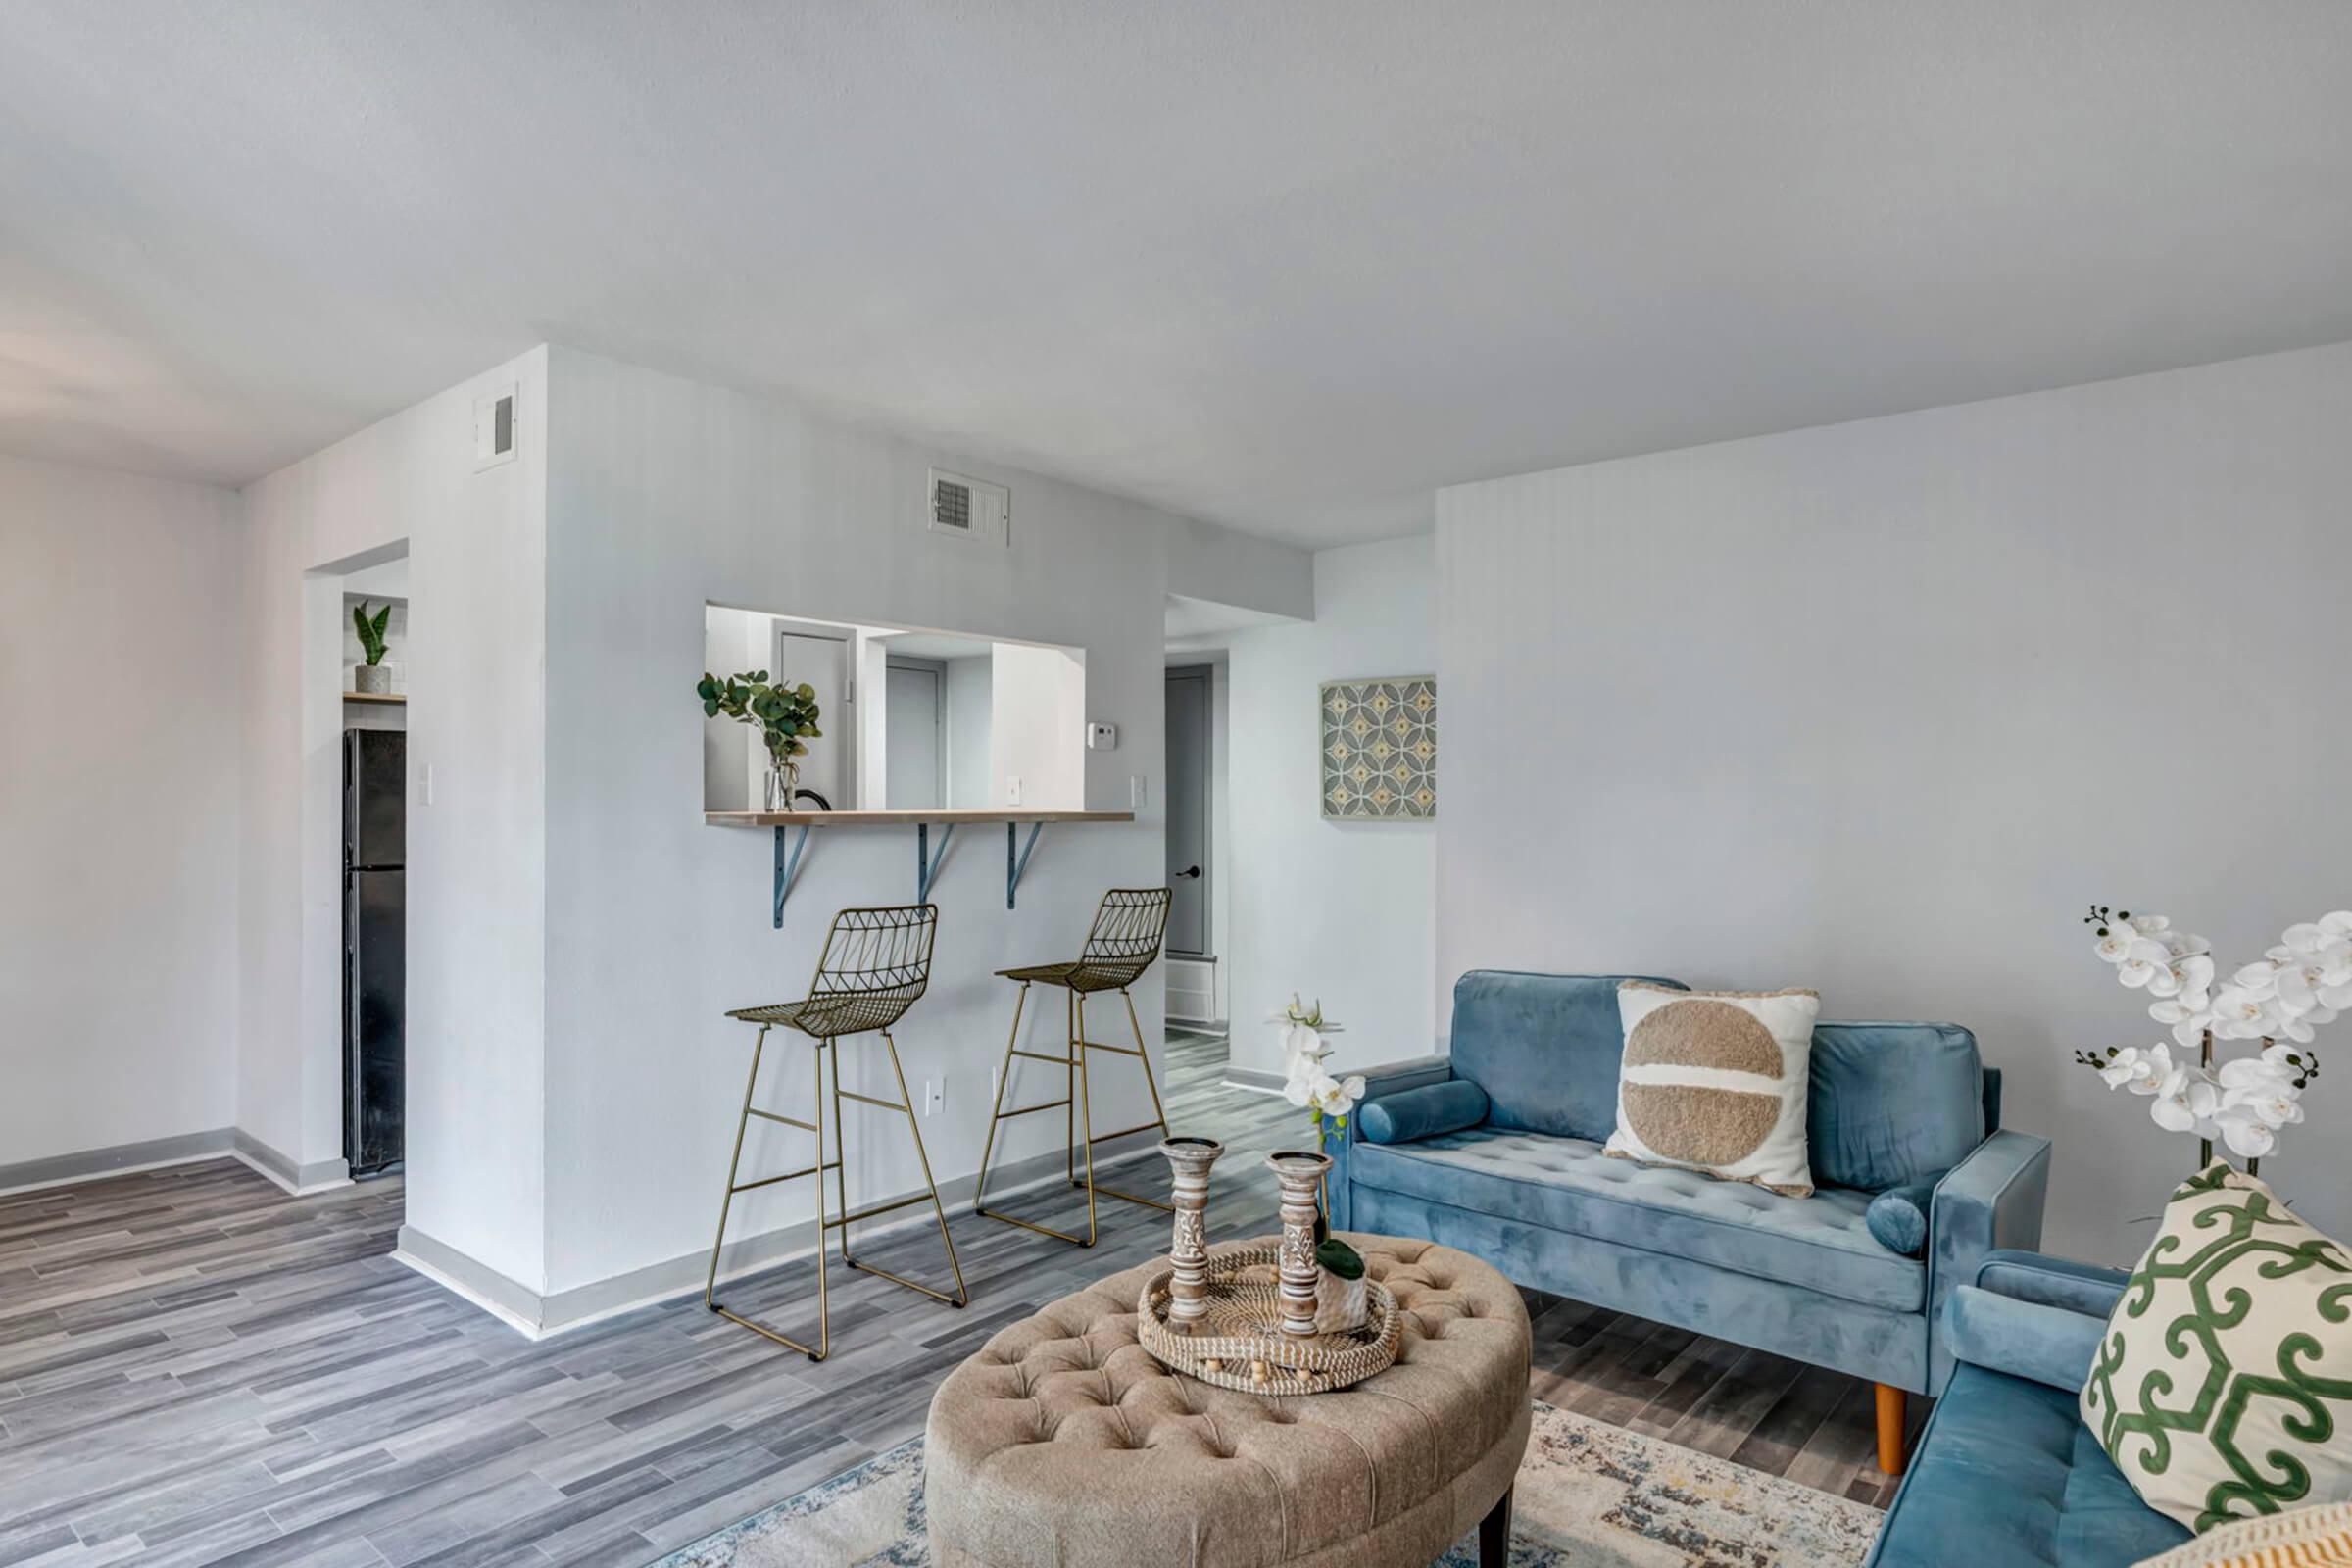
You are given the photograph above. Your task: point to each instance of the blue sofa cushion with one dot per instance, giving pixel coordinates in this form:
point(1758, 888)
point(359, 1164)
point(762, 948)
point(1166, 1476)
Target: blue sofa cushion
point(1544, 1046)
point(1898, 1218)
point(2008, 1473)
point(1893, 1103)
point(1566, 1184)
point(1423, 1112)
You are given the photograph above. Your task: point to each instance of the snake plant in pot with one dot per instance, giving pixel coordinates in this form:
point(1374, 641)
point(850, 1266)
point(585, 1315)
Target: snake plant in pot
point(370, 676)
point(784, 714)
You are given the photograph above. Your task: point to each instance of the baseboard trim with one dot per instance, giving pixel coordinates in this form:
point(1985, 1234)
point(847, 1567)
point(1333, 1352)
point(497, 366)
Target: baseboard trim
point(539, 1316)
point(118, 1159)
point(297, 1179)
point(1253, 1079)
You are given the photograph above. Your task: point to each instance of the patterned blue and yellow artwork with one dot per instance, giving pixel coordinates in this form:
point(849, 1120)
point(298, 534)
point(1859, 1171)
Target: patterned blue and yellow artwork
point(1380, 747)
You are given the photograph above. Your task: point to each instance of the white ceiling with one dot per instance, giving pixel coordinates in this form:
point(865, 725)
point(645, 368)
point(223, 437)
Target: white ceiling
point(1282, 266)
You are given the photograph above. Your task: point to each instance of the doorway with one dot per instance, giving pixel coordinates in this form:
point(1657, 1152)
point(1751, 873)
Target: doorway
point(1191, 867)
point(915, 744)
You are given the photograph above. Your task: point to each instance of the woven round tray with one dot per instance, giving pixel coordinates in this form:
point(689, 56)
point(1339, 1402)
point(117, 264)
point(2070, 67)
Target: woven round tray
point(1240, 1345)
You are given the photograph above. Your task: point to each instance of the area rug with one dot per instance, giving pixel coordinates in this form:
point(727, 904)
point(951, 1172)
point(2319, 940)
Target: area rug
point(1589, 1495)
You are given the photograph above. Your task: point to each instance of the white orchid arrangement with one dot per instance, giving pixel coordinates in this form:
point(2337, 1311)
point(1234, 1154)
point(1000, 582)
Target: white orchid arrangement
point(2280, 999)
point(1307, 1084)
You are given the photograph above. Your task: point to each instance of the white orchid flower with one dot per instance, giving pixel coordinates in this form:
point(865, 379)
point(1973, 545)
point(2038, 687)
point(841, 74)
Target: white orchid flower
point(2143, 960)
point(2255, 1074)
point(1339, 1098)
point(2115, 946)
point(2189, 1013)
point(2260, 977)
point(2276, 1104)
point(2239, 1013)
point(2302, 938)
point(2339, 923)
point(2185, 1103)
point(2188, 977)
point(1302, 1043)
point(2182, 945)
point(1305, 1086)
point(2248, 1136)
point(2138, 1068)
point(2149, 925)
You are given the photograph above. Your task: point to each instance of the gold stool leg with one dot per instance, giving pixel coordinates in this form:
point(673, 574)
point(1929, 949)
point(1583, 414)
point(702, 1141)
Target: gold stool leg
point(1160, 1116)
point(824, 1314)
point(963, 1295)
point(1069, 1063)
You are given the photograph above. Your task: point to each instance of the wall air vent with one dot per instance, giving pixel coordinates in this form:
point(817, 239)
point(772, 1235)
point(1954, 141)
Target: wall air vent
point(493, 428)
point(971, 509)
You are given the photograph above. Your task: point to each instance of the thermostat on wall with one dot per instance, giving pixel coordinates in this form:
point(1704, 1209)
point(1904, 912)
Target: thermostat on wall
point(1101, 737)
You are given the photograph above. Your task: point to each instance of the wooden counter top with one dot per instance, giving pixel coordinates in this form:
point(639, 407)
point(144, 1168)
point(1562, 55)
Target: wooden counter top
point(901, 818)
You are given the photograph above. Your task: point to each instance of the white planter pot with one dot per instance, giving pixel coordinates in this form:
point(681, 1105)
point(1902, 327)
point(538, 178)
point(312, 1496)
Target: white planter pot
point(1339, 1303)
point(374, 678)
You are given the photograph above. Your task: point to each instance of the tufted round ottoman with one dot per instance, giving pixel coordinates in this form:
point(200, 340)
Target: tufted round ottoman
point(1063, 1443)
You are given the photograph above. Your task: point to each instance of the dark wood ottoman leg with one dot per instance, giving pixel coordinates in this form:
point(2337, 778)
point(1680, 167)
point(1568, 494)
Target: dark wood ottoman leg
point(1495, 1536)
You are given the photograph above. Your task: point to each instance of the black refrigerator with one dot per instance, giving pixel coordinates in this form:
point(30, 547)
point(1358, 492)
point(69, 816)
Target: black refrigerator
point(374, 969)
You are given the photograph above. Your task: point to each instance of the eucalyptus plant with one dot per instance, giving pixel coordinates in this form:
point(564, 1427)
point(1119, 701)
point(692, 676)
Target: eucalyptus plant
point(372, 630)
point(785, 715)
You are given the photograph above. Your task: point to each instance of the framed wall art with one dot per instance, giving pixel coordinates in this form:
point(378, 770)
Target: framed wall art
point(1380, 749)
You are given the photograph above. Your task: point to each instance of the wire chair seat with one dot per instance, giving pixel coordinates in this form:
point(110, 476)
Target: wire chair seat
point(1121, 946)
point(829, 1016)
point(1083, 975)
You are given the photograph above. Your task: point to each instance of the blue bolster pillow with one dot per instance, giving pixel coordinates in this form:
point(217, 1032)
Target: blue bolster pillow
point(1423, 1112)
point(1898, 1218)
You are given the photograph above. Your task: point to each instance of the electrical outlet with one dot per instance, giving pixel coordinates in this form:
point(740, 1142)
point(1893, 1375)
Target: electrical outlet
point(1135, 792)
point(1013, 788)
point(935, 1096)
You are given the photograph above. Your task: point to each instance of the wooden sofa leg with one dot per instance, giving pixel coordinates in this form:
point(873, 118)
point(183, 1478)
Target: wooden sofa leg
point(1891, 1430)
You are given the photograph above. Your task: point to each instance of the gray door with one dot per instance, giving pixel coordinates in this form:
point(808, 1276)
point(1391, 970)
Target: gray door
point(1189, 759)
point(913, 761)
point(825, 663)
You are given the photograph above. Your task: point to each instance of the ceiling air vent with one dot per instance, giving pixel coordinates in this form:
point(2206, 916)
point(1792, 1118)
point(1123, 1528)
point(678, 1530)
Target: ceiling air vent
point(969, 508)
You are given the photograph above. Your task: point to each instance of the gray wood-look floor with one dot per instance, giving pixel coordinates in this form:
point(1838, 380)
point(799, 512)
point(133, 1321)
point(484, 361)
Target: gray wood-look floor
point(196, 1368)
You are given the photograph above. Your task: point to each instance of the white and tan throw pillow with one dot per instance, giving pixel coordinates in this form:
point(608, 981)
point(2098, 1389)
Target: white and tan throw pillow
point(2304, 1537)
point(1715, 1081)
point(2222, 1386)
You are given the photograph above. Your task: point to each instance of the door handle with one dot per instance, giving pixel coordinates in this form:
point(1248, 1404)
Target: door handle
point(1190, 871)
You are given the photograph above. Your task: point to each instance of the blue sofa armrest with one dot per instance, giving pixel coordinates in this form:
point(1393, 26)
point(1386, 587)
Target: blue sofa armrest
point(2086, 1288)
point(1991, 1200)
point(2050, 1345)
point(1392, 1078)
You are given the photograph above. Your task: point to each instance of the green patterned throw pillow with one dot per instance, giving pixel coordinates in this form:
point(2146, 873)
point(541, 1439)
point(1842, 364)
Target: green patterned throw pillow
point(2222, 1385)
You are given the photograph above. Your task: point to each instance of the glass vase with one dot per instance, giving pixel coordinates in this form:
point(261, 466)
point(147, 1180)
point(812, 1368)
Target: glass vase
point(781, 783)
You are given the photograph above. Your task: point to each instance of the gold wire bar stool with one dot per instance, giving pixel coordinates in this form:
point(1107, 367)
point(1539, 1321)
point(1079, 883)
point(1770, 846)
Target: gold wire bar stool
point(875, 963)
point(1121, 946)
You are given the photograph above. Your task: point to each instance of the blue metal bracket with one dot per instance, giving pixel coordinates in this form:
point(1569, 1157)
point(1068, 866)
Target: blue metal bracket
point(788, 868)
point(1016, 863)
point(927, 864)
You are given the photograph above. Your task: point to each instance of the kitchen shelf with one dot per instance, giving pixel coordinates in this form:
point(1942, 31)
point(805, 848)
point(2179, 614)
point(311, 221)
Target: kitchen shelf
point(789, 845)
point(375, 697)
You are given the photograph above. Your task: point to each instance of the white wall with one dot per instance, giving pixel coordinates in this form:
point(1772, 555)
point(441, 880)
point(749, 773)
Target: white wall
point(120, 606)
point(664, 494)
point(1341, 910)
point(476, 849)
point(968, 694)
point(1879, 707)
point(1037, 720)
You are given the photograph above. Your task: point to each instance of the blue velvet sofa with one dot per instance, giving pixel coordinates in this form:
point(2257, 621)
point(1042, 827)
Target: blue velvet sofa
point(1495, 1149)
point(2006, 1471)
